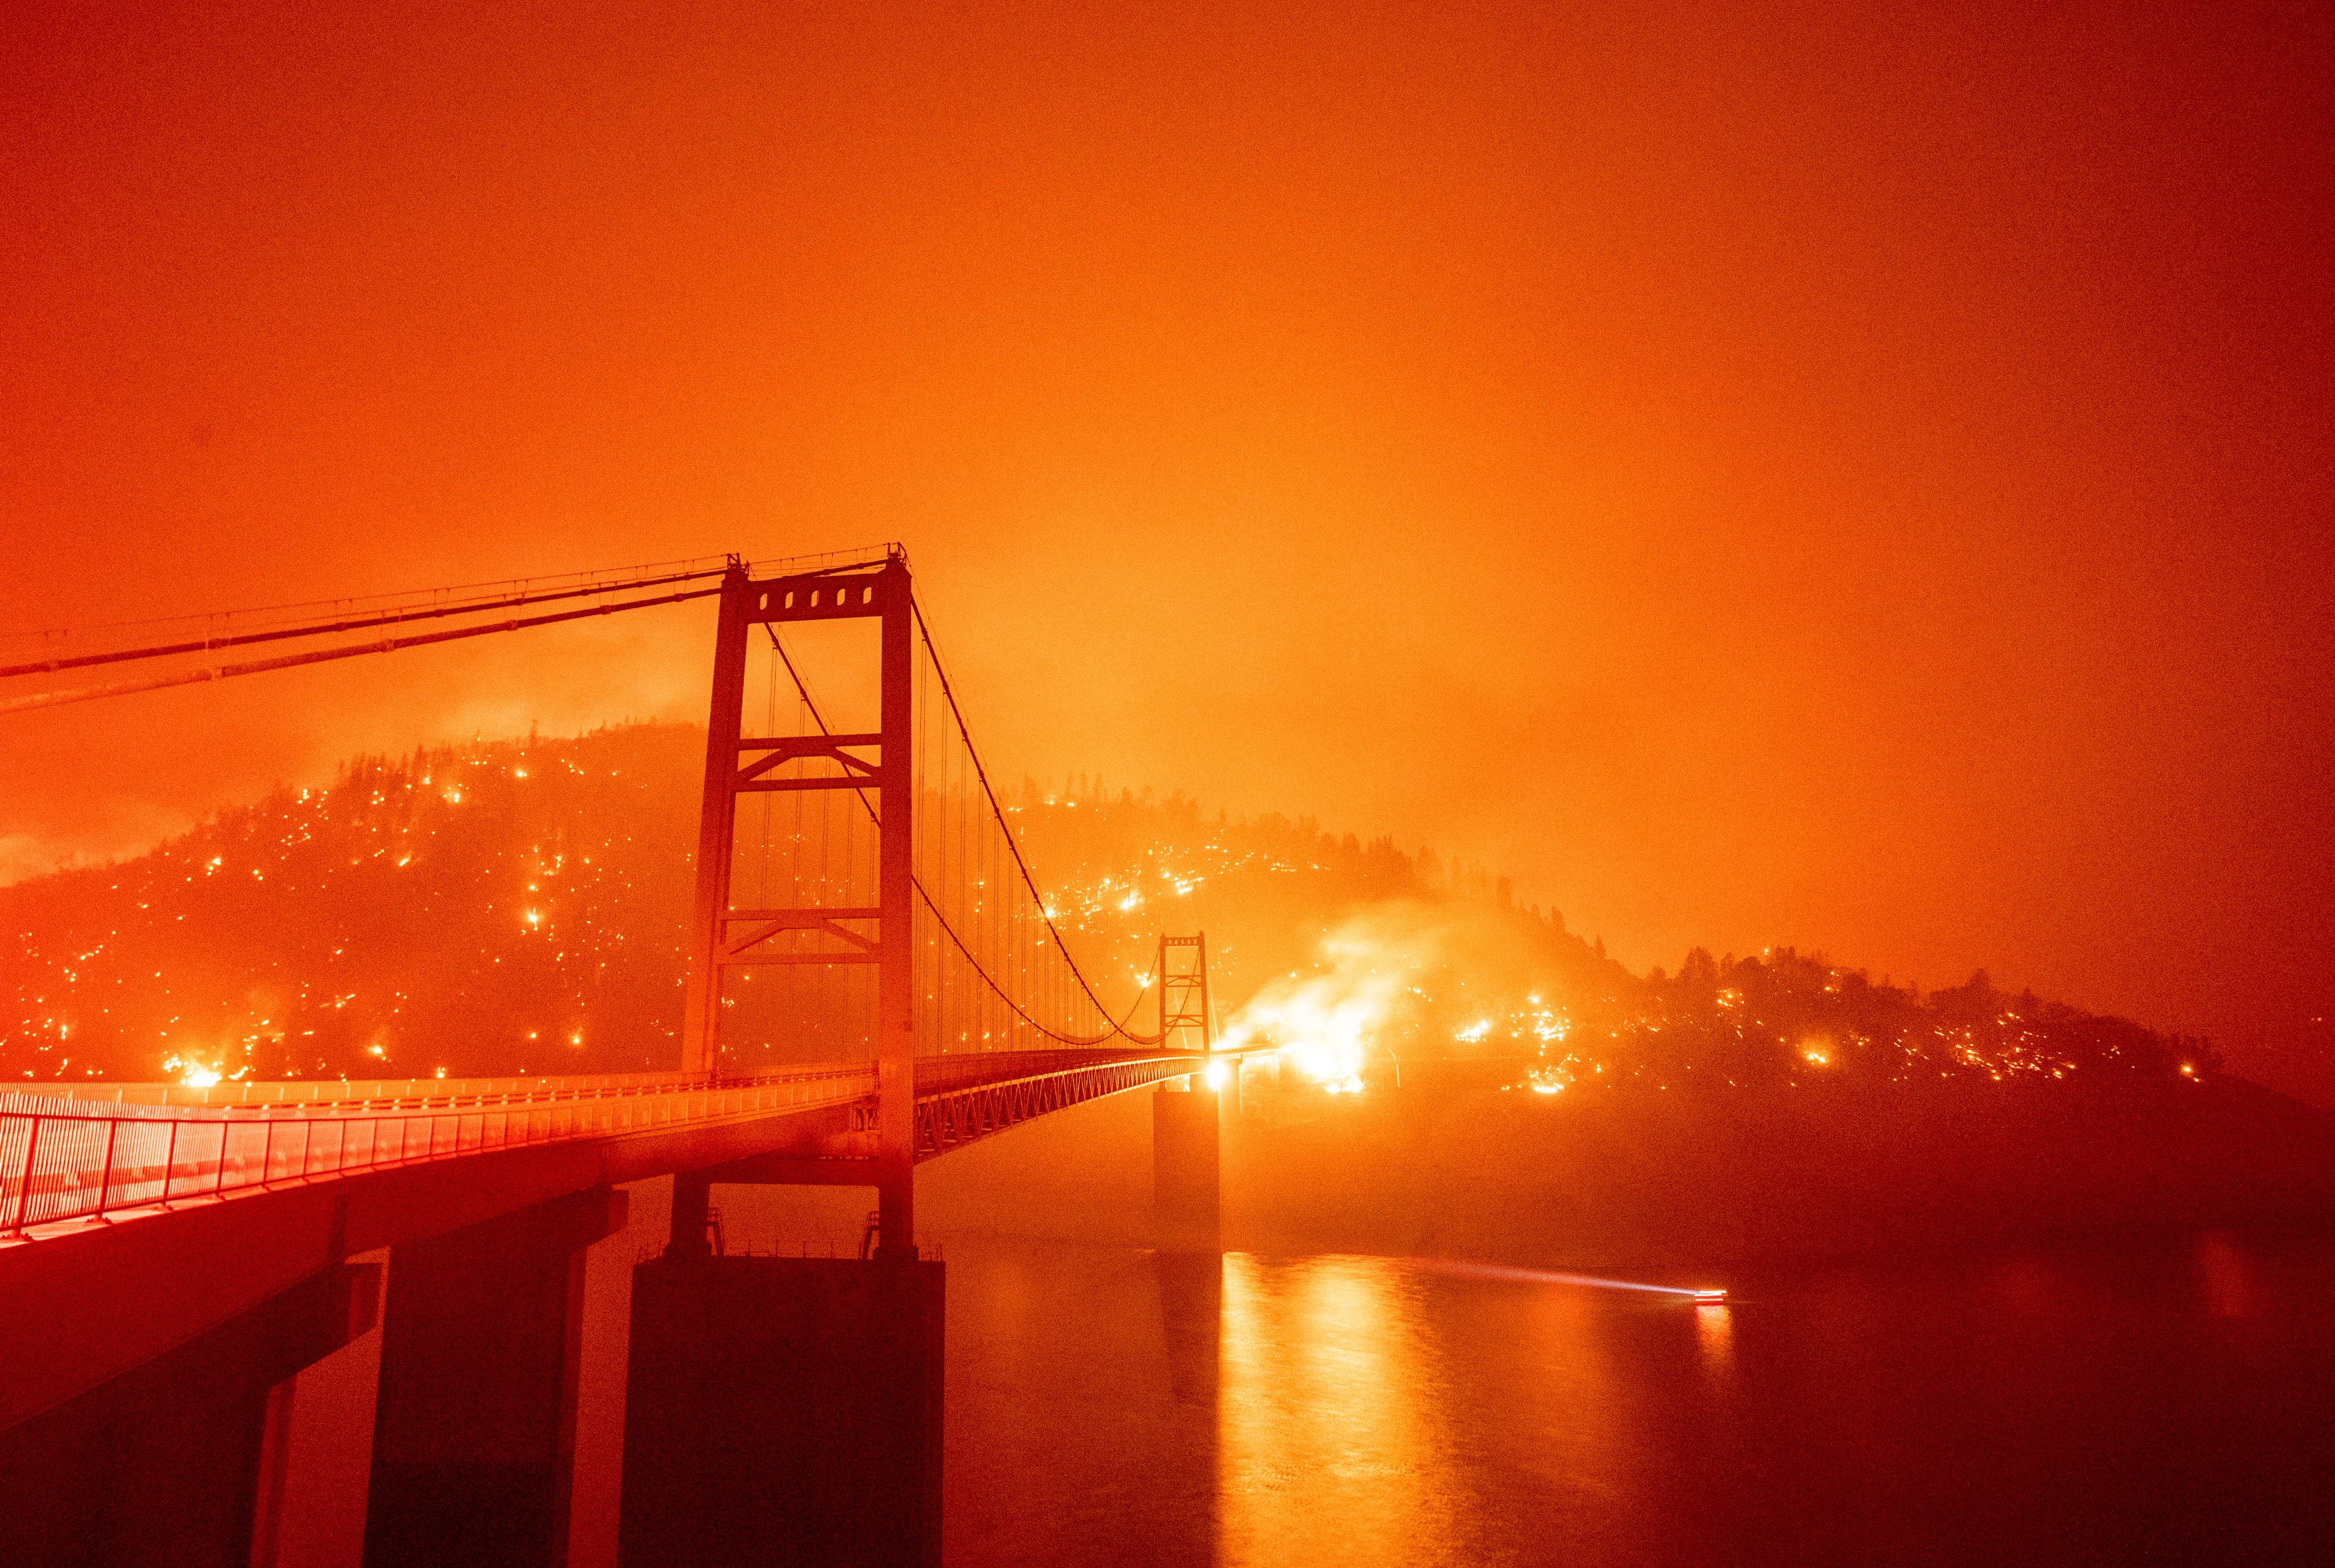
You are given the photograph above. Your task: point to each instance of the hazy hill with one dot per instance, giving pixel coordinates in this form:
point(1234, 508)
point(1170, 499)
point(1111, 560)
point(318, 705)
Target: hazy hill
point(486, 908)
point(518, 905)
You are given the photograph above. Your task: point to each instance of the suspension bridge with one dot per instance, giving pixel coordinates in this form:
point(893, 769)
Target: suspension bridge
point(876, 979)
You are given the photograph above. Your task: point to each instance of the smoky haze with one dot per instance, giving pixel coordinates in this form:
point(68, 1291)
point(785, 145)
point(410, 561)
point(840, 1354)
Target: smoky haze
point(1752, 477)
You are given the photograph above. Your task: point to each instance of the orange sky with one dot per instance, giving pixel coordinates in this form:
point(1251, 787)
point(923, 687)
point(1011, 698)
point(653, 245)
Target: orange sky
point(1848, 478)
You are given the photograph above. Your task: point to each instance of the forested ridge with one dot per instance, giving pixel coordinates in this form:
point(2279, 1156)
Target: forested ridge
point(518, 905)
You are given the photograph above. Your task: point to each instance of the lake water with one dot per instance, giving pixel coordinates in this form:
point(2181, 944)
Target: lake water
point(2170, 1403)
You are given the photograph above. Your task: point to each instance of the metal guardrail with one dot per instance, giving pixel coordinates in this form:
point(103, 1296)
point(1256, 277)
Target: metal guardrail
point(362, 1094)
point(952, 1117)
point(947, 1073)
point(80, 1158)
point(69, 1163)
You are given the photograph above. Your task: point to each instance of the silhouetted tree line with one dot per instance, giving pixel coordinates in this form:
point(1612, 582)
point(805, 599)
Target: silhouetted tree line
point(1786, 1015)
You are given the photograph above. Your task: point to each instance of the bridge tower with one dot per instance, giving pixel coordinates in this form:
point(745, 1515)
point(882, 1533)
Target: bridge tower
point(788, 1410)
point(1186, 1023)
point(724, 937)
point(1185, 1112)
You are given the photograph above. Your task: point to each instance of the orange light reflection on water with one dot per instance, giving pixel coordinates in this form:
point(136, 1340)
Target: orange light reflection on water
point(2225, 1275)
point(1714, 1332)
point(1355, 1411)
point(1328, 1427)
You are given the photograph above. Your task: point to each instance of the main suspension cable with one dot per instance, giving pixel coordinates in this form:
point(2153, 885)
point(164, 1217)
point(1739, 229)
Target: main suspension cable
point(364, 623)
point(998, 811)
point(289, 660)
point(1117, 1028)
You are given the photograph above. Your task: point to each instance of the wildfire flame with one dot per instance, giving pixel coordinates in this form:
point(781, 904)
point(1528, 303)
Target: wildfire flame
point(1327, 1024)
point(194, 1074)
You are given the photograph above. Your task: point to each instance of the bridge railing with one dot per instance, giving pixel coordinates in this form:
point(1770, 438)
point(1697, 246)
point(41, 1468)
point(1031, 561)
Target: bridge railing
point(75, 1156)
point(65, 1159)
point(943, 1074)
point(974, 1106)
point(171, 1099)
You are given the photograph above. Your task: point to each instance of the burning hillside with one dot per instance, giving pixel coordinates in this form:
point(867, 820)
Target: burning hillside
point(519, 905)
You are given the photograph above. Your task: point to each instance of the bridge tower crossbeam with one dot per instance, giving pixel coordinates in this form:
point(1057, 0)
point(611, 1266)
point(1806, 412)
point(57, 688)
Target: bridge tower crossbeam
point(724, 937)
point(1186, 1021)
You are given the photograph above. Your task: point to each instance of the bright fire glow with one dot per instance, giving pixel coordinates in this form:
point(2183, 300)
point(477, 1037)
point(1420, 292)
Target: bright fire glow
point(1327, 1024)
point(1217, 1074)
point(196, 1074)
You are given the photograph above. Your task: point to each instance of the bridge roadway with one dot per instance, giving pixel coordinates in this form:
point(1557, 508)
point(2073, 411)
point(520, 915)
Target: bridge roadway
point(133, 1217)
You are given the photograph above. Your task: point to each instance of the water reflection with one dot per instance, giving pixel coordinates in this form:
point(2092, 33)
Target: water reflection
point(1328, 1427)
point(1714, 1332)
point(2225, 1275)
point(2047, 1405)
point(1191, 1313)
point(1409, 1413)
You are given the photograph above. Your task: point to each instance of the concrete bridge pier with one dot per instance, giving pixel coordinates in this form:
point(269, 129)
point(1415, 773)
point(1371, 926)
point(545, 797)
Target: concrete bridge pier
point(783, 1411)
point(1185, 1117)
point(474, 1432)
point(168, 1464)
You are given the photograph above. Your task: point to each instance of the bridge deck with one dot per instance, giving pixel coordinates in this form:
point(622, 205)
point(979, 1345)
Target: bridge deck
point(236, 1192)
point(120, 1150)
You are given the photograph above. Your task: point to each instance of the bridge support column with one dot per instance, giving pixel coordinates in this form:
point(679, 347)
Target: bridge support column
point(315, 1455)
point(688, 1235)
point(162, 1466)
point(474, 1432)
point(784, 1410)
point(1184, 1169)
